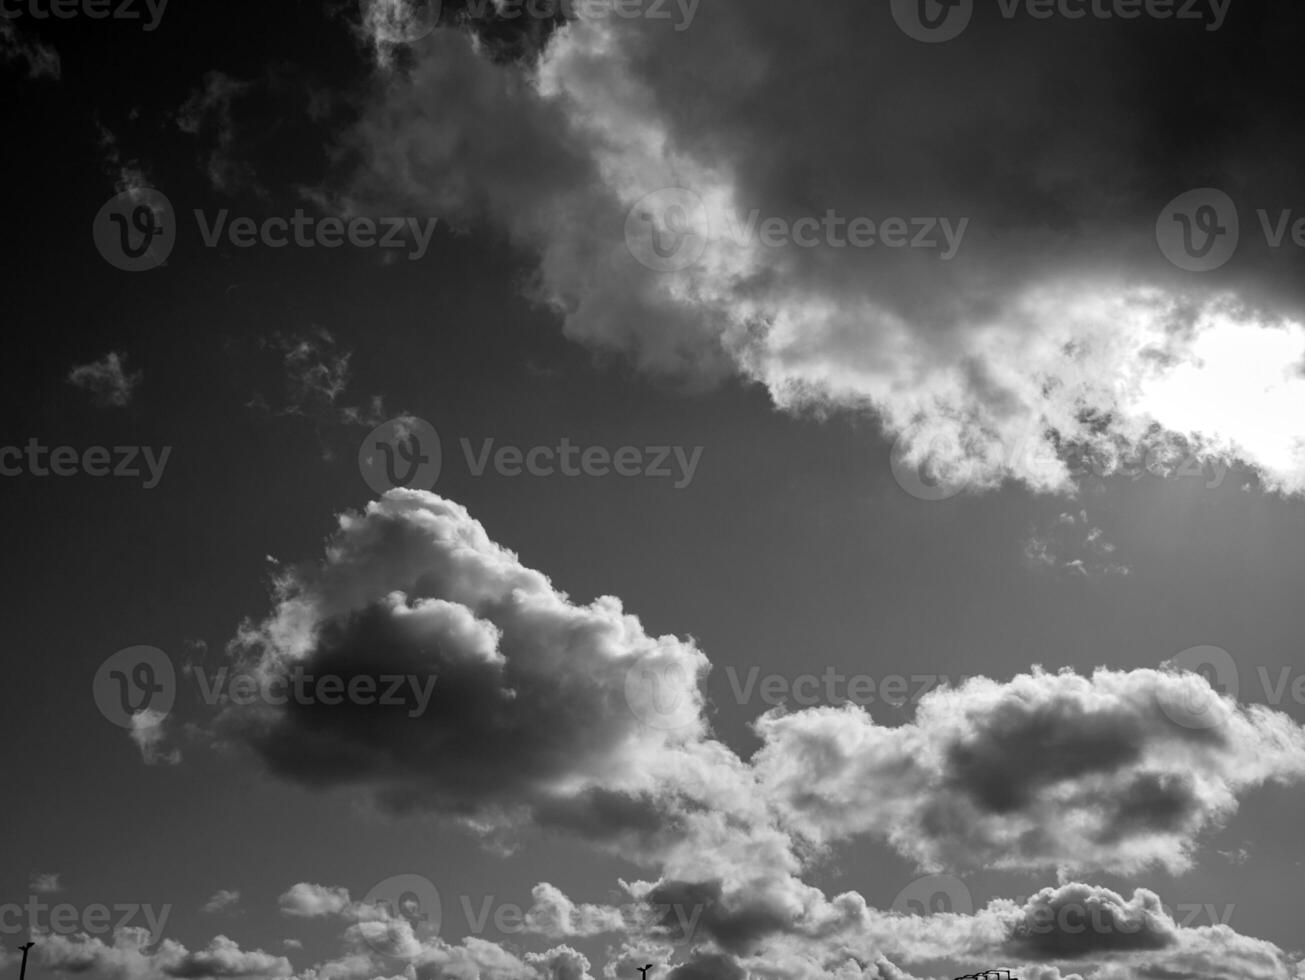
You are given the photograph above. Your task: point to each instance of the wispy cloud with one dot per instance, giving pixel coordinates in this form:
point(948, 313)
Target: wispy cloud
point(43, 883)
point(108, 380)
point(224, 900)
point(41, 61)
point(1071, 544)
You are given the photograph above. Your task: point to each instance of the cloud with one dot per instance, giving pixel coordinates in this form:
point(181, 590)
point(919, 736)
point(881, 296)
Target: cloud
point(107, 379)
point(41, 61)
point(208, 114)
point(315, 374)
point(1072, 545)
point(308, 901)
point(130, 957)
point(42, 883)
point(223, 900)
point(578, 720)
point(148, 731)
point(1079, 921)
point(1057, 328)
point(1045, 771)
point(527, 690)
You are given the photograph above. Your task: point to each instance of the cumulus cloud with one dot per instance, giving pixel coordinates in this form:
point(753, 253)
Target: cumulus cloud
point(578, 720)
point(309, 901)
point(529, 695)
point(108, 380)
point(130, 956)
point(1047, 770)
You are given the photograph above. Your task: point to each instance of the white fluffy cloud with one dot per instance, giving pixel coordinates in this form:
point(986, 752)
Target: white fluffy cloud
point(1045, 771)
point(130, 956)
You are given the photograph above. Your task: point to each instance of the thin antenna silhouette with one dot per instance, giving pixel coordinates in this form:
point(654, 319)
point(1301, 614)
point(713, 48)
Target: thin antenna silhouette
point(22, 971)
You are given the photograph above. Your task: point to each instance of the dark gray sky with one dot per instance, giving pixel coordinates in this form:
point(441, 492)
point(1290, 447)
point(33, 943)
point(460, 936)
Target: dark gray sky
point(903, 464)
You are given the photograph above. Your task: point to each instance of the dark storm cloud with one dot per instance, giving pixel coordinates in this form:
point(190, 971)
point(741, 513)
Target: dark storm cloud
point(1055, 322)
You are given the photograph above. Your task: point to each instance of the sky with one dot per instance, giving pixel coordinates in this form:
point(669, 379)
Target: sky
point(694, 490)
